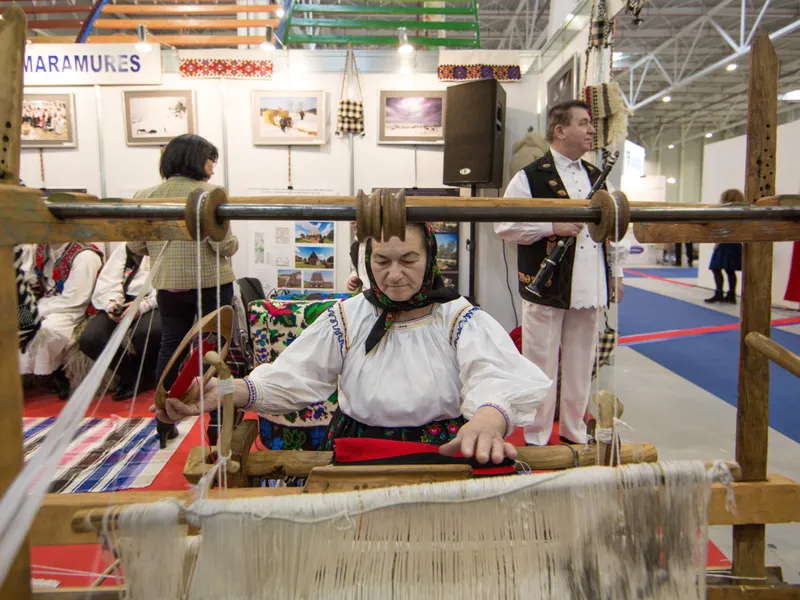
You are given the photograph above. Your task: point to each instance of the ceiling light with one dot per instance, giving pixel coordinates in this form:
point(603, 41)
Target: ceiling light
point(793, 96)
point(731, 67)
point(671, 180)
point(279, 13)
point(141, 34)
point(269, 40)
point(615, 56)
point(709, 134)
point(666, 98)
point(671, 146)
point(405, 47)
point(569, 17)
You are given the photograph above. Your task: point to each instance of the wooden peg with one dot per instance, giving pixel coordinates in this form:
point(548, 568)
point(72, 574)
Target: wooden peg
point(208, 201)
point(394, 215)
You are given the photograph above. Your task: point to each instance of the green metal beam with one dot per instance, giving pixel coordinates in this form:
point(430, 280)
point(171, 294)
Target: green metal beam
point(379, 40)
point(375, 24)
point(380, 10)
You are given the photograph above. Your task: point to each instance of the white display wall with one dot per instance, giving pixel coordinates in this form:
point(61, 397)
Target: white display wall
point(223, 109)
point(723, 168)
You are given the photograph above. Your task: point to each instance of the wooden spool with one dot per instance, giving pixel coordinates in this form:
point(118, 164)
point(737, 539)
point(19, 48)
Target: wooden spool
point(207, 325)
point(394, 215)
point(607, 227)
point(208, 201)
point(368, 215)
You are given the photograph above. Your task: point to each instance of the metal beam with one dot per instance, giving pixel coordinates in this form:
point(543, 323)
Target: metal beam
point(710, 68)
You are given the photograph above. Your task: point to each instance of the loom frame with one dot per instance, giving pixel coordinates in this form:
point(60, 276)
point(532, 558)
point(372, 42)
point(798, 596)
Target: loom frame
point(761, 499)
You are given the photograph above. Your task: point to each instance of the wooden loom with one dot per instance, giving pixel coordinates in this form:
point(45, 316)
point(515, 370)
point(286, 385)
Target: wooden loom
point(760, 499)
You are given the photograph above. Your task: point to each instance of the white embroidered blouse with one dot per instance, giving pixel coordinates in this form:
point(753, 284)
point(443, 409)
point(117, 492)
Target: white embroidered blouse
point(448, 363)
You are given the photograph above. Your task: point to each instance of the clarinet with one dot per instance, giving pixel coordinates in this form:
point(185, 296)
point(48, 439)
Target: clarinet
point(556, 255)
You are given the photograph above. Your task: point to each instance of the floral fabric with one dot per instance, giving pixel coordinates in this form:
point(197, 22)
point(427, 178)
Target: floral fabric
point(275, 324)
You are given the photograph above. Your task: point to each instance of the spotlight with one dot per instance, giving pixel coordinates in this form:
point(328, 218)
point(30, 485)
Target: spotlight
point(671, 180)
point(731, 67)
point(709, 135)
point(671, 146)
point(269, 40)
point(666, 98)
point(405, 47)
point(142, 45)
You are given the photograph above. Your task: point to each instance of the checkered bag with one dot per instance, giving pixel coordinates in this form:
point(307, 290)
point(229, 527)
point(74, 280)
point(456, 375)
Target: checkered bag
point(350, 116)
point(606, 342)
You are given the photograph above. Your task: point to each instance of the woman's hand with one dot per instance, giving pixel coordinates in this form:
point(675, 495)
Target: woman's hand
point(482, 437)
point(175, 409)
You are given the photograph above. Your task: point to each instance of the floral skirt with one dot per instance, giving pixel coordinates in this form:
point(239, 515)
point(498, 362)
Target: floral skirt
point(436, 433)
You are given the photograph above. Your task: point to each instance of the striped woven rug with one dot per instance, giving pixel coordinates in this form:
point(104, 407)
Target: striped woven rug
point(106, 454)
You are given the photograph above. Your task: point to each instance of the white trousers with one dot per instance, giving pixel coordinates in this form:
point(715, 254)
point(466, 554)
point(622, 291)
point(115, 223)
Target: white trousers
point(544, 330)
point(47, 351)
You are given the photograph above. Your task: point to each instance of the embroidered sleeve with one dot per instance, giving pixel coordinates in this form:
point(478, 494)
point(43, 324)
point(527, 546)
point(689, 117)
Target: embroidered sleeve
point(338, 323)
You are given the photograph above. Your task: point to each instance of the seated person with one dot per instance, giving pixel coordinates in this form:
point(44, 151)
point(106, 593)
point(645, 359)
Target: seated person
point(63, 277)
point(119, 283)
point(417, 363)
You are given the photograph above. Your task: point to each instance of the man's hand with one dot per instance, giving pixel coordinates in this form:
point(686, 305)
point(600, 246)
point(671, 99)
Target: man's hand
point(353, 283)
point(114, 311)
point(567, 229)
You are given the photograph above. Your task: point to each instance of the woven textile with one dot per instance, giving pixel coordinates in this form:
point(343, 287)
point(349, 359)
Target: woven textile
point(609, 114)
point(230, 68)
point(479, 71)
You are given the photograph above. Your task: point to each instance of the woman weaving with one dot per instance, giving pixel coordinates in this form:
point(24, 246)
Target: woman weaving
point(417, 363)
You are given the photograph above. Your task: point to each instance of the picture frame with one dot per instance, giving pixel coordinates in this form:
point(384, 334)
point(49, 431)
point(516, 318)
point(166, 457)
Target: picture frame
point(563, 85)
point(155, 117)
point(447, 244)
point(289, 117)
point(48, 121)
point(412, 117)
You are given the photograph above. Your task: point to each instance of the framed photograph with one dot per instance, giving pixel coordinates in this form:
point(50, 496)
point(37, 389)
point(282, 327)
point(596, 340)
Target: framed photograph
point(318, 280)
point(563, 85)
point(288, 118)
point(289, 278)
point(447, 244)
point(153, 118)
point(314, 232)
point(48, 121)
point(412, 117)
point(314, 257)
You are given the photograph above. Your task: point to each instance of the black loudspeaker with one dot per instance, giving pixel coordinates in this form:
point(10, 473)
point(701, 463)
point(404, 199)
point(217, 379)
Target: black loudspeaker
point(474, 134)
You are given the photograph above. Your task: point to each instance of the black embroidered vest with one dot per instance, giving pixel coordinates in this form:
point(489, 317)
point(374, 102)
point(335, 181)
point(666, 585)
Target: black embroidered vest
point(544, 182)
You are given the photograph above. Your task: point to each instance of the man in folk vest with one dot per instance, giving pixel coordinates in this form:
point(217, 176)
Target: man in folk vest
point(62, 278)
point(565, 316)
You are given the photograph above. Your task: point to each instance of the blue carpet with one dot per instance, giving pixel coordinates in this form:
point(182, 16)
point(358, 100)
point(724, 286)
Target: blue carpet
point(647, 312)
point(711, 362)
point(666, 272)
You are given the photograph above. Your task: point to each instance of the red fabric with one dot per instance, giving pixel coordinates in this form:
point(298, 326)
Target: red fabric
point(793, 287)
point(359, 450)
point(516, 337)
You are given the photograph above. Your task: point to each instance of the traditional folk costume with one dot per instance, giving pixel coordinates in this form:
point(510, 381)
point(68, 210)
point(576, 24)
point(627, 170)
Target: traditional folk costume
point(64, 277)
point(565, 315)
point(411, 381)
point(120, 281)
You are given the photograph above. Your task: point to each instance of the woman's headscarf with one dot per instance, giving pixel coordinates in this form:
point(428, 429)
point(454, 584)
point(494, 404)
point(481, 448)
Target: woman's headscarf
point(433, 290)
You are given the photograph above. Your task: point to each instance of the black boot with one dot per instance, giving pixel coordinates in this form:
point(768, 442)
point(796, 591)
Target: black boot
point(730, 297)
point(165, 431)
point(717, 297)
point(124, 391)
point(59, 384)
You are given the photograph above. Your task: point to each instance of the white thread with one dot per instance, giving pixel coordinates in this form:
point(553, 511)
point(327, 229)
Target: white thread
point(226, 386)
point(20, 503)
point(721, 473)
point(546, 536)
point(198, 242)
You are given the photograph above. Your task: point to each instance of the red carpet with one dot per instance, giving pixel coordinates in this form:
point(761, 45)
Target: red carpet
point(86, 558)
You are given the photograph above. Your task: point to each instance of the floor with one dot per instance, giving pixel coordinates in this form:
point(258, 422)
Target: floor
point(677, 412)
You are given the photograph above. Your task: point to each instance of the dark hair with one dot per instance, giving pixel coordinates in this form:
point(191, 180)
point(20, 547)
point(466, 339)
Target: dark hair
point(732, 196)
point(186, 155)
point(560, 115)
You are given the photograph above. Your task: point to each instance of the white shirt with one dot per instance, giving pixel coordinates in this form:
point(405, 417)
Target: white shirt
point(437, 367)
point(588, 278)
point(74, 299)
point(109, 283)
